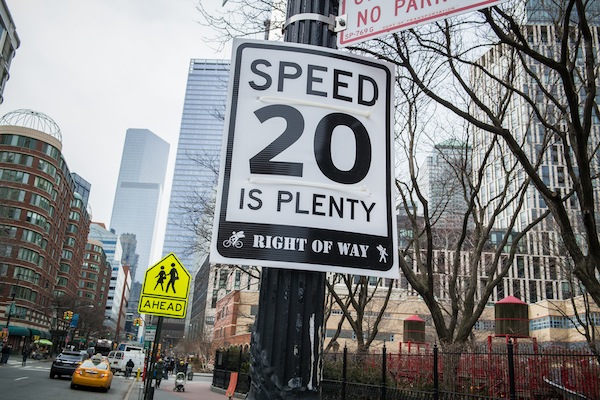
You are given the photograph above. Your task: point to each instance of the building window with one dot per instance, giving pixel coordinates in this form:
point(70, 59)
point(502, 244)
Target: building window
point(46, 167)
point(532, 292)
point(37, 219)
point(16, 158)
point(223, 274)
point(7, 193)
point(74, 215)
point(28, 255)
point(10, 212)
point(5, 250)
point(213, 303)
point(19, 141)
point(43, 184)
point(3, 269)
point(549, 291)
point(34, 237)
point(26, 274)
point(51, 151)
point(8, 231)
point(236, 284)
point(41, 202)
point(67, 255)
point(10, 175)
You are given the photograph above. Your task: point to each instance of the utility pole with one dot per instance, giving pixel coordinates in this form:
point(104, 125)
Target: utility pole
point(288, 332)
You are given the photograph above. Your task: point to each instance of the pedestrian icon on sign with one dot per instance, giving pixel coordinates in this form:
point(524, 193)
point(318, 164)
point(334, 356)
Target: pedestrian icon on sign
point(382, 253)
point(162, 275)
point(165, 289)
point(173, 277)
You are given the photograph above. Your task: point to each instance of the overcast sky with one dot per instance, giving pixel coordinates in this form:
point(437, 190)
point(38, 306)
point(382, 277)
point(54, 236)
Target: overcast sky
point(99, 67)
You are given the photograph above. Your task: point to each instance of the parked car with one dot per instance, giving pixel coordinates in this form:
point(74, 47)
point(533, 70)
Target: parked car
point(66, 363)
point(93, 372)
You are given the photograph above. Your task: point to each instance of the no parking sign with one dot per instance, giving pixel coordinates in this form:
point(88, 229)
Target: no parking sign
point(306, 178)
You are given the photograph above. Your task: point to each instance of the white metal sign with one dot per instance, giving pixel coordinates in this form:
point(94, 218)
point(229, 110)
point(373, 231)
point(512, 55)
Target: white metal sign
point(150, 333)
point(368, 19)
point(306, 178)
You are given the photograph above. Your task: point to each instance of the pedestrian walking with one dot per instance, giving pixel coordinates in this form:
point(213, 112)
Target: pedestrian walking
point(25, 355)
point(5, 353)
point(128, 368)
point(158, 373)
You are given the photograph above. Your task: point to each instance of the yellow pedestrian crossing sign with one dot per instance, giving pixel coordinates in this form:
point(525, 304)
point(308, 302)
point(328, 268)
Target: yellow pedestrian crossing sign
point(165, 289)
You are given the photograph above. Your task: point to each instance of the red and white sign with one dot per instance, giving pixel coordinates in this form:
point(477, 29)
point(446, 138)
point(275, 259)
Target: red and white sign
point(368, 19)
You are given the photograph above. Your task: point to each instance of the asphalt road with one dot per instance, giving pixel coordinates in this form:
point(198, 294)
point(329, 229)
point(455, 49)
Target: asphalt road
point(32, 382)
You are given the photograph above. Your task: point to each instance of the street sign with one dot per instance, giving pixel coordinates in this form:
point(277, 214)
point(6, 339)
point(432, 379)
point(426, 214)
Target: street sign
point(306, 179)
point(74, 321)
point(150, 333)
point(368, 19)
point(165, 289)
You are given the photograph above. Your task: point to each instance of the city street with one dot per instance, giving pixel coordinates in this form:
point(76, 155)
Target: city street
point(32, 382)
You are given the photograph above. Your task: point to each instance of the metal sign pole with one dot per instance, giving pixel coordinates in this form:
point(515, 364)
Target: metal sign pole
point(287, 338)
point(148, 393)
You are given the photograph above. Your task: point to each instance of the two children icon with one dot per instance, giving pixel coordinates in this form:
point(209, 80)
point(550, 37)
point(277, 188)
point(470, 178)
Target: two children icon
point(162, 275)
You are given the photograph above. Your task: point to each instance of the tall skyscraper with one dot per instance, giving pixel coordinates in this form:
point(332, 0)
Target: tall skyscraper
point(196, 167)
point(139, 192)
point(445, 164)
point(118, 278)
point(198, 154)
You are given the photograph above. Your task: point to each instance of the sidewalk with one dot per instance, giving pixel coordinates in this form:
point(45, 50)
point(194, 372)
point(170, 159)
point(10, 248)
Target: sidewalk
point(193, 390)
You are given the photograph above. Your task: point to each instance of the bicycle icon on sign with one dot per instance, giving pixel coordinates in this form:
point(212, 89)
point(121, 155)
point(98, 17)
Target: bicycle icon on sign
point(234, 240)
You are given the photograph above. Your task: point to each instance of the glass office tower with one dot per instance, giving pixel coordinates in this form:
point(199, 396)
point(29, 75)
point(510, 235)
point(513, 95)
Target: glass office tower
point(139, 192)
point(198, 153)
point(196, 170)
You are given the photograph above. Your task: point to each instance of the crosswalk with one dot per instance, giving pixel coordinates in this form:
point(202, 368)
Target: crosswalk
point(32, 366)
point(36, 366)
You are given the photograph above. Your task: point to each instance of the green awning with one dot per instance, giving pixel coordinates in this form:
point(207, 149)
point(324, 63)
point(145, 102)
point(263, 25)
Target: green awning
point(14, 330)
point(35, 332)
point(45, 335)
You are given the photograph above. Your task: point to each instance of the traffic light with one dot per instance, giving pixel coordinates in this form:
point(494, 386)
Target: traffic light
point(68, 315)
point(137, 322)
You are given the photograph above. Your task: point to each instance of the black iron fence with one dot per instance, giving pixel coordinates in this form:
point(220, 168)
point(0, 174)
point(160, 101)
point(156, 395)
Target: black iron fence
point(230, 360)
point(505, 371)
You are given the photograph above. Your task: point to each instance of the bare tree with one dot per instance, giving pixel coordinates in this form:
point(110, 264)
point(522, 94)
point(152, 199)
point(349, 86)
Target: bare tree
point(355, 301)
point(243, 18)
point(524, 92)
point(545, 71)
point(196, 213)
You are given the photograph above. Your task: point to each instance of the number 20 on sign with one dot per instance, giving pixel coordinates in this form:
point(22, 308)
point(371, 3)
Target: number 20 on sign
point(306, 178)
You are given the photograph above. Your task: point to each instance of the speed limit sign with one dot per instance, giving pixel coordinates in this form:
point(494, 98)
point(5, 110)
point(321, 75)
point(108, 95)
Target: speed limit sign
point(306, 178)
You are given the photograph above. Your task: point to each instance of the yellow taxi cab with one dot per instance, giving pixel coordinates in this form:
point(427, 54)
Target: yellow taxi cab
point(93, 372)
